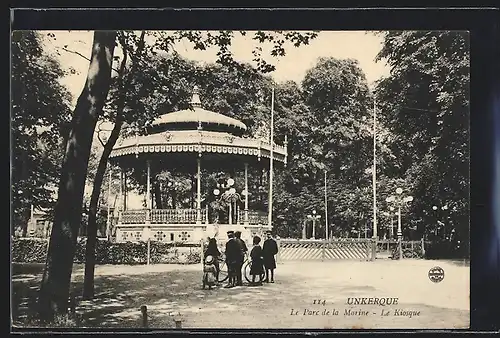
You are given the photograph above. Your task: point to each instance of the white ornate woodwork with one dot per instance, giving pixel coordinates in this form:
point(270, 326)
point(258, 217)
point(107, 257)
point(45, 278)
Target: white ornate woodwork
point(194, 131)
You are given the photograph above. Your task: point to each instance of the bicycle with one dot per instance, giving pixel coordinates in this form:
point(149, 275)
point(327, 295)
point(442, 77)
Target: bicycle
point(248, 277)
point(247, 263)
point(223, 274)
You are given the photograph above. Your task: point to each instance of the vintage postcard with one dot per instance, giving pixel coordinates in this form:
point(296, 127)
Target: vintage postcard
point(240, 179)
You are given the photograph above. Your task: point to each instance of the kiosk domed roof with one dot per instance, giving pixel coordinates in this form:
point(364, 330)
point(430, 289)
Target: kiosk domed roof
point(198, 115)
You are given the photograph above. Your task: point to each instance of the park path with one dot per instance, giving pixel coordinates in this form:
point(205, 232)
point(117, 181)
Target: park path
point(176, 289)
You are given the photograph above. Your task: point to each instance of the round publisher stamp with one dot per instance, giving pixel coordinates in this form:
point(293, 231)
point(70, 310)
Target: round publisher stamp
point(436, 274)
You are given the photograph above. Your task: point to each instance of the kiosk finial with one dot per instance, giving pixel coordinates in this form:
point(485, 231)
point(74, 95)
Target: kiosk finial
point(195, 100)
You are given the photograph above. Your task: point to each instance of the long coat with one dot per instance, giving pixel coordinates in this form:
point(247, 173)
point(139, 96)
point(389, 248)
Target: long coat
point(269, 249)
point(257, 267)
point(243, 248)
point(233, 252)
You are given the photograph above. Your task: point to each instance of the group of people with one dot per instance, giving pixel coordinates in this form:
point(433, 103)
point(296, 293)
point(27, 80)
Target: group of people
point(263, 261)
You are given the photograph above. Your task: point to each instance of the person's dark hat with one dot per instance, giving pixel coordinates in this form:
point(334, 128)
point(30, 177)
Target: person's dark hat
point(237, 233)
point(230, 232)
point(269, 232)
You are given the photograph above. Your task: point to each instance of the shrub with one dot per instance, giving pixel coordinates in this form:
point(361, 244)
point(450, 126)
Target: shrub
point(193, 257)
point(29, 250)
point(34, 250)
point(445, 250)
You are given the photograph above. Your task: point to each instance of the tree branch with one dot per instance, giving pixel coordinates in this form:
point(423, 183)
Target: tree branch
point(80, 54)
point(98, 133)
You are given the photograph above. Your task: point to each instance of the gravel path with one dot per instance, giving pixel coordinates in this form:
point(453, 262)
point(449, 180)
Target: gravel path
point(170, 290)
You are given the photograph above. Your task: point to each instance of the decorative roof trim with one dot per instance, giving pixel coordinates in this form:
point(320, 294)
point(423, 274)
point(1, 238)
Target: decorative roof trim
point(278, 154)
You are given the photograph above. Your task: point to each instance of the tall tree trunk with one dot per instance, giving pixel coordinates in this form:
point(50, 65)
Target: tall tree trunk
point(55, 285)
point(88, 282)
point(90, 254)
point(157, 193)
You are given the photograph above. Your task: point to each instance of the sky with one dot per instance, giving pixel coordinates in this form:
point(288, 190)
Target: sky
point(359, 45)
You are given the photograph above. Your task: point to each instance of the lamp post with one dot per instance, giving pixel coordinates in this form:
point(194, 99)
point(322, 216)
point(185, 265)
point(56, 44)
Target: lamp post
point(443, 208)
point(147, 234)
point(399, 200)
point(374, 173)
point(230, 195)
point(392, 221)
point(314, 217)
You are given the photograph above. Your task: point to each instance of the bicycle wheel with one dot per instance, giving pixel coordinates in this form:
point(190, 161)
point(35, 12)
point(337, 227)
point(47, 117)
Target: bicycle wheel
point(247, 271)
point(223, 275)
point(248, 277)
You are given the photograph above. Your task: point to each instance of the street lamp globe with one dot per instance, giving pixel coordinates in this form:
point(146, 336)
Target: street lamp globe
point(408, 199)
point(445, 207)
point(434, 207)
point(399, 191)
point(232, 191)
point(243, 192)
point(216, 192)
point(230, 182)
point(314, 212)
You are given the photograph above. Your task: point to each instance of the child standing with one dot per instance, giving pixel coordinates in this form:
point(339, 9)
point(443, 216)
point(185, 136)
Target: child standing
point(209, 272)
point(257, 267)
point(213, 250)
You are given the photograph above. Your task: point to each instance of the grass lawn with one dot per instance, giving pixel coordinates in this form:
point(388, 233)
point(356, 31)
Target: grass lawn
point(168, 289)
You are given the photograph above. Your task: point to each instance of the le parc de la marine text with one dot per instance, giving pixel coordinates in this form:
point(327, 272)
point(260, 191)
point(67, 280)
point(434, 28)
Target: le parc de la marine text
point(384, 302)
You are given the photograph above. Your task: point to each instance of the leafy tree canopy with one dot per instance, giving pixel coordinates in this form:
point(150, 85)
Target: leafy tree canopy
point(40, 112)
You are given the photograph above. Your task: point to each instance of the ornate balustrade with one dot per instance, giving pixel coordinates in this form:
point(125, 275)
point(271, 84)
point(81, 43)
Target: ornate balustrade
point(176, 216)
point(255, 217)
point(133, 216)
point(182, 216)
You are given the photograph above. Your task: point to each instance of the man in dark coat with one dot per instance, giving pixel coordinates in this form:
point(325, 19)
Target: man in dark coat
point(269, 249)
point(241, 260)
point(233, 253)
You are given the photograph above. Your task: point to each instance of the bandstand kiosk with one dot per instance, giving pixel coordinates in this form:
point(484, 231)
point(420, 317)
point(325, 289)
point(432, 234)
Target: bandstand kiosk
point(192, 141)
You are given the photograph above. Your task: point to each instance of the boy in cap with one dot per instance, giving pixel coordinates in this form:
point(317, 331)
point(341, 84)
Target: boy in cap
point(232, 256)
point(269, 249)
point(209, 272)
point(241, 258)
point(257, 268)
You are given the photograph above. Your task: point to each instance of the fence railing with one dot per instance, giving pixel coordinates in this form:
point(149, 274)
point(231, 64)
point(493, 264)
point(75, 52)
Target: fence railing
point(347, 249)
point(386, 247)
point(293, 250)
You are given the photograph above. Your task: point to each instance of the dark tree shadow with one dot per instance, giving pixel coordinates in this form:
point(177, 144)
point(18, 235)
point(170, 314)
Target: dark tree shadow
point(118, 299)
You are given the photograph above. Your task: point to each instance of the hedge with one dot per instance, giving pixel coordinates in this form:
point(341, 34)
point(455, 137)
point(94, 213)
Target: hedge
point(446, 250)
point(33, 250)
